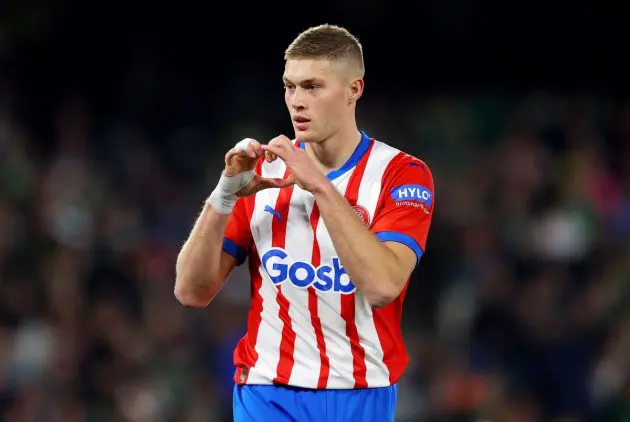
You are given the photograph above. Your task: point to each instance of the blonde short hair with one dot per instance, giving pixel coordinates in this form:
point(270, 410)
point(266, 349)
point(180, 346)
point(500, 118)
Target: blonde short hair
point(328, 42)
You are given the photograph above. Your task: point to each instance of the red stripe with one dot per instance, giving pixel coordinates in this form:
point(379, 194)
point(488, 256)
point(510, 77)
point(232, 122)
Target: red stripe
point(278, 239)
point(359, 369)
point(387, 319)
point(324, 368)
point(245, 355)
point(387, 324)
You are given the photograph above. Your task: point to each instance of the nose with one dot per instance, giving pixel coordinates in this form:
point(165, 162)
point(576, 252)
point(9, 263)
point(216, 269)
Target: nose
point(297, 100)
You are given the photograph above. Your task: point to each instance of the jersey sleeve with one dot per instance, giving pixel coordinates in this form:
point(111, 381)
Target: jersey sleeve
point(406, 202)
point(238, 235)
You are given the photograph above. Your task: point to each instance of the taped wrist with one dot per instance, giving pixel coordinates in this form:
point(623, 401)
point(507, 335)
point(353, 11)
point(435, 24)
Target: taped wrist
point(223, 197)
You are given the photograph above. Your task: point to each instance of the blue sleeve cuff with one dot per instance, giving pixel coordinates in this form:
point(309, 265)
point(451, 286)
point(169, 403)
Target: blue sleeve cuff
point(405, 239)
point(233, 249)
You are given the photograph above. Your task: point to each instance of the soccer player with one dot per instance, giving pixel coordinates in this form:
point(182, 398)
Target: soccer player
point(333, 223)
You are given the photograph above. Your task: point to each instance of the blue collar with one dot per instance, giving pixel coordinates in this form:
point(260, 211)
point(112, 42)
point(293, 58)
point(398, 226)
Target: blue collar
point(354, 159)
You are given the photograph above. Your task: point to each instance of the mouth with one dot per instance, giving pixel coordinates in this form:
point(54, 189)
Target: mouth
point(301, 122)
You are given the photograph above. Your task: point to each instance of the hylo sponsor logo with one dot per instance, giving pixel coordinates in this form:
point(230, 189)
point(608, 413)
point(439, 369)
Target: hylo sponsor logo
point(417, 193)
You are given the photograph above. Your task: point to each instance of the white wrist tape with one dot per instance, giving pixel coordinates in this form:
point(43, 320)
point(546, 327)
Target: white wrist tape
point(223, 197)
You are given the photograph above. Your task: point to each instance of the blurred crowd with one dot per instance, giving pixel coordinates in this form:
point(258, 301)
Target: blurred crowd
point(517, 313)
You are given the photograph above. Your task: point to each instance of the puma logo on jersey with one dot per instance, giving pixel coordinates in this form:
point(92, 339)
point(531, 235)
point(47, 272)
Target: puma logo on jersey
point(273, 212)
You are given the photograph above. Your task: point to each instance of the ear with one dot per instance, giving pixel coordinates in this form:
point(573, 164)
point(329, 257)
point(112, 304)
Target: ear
point(356, 89)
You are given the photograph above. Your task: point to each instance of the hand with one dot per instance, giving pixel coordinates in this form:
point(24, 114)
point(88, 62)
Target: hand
point(242, 158)
point(303, 170)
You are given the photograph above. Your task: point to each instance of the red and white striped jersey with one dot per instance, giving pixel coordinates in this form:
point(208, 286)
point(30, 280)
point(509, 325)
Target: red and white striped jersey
point(308, 326)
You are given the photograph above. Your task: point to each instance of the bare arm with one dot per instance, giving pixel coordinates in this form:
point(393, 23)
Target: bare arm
point(378, 269)
point(202, 265)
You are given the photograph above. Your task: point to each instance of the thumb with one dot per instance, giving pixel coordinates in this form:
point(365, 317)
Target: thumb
point(270, 183)
point(290, 180)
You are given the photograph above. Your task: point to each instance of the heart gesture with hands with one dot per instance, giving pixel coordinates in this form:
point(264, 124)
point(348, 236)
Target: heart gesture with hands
point(239, 178)
point(303, 170)
point(241, 160)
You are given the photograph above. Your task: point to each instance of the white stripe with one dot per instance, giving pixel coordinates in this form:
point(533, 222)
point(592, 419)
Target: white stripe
point(299, 245)
point(329, 307)
point(270, 330)
point(377, 374)
point(370, 187)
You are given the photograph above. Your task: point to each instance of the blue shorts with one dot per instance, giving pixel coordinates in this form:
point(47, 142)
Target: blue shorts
point(271, 403)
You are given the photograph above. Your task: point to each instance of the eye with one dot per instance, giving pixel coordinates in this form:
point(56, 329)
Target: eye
point(289, 86)
point(311, 87)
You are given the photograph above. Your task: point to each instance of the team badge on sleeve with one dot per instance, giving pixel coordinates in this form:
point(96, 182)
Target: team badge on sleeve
point(362, 213)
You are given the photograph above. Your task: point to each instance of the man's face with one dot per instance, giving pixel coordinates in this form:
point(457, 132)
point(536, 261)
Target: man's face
point(316, 93)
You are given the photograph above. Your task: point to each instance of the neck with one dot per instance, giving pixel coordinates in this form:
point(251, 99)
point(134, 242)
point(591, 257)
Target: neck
point(333, 152)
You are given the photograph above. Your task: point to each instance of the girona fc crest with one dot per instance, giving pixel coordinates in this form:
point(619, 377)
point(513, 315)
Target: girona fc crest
point(362, 213)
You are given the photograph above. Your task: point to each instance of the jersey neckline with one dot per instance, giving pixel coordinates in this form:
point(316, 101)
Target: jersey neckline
point(359, 152)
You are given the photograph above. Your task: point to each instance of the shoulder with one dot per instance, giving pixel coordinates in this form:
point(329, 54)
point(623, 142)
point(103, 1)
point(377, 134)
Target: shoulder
point(401, 165)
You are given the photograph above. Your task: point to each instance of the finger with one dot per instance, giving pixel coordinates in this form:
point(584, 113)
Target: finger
point(250, 151)
point(243, 144)
point(283, 142)
point(276, 149)
point(270, 183)
point(270, 157)
point(231, 153)
point(257, 147)
point(241, 148)
point(290, 180)
point(280, 139)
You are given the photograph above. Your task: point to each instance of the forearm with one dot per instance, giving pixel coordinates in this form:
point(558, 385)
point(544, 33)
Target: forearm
point(371, 265)
point(199, 274)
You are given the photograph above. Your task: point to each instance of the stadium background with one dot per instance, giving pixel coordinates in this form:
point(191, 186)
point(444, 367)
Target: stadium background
point(114, 118)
